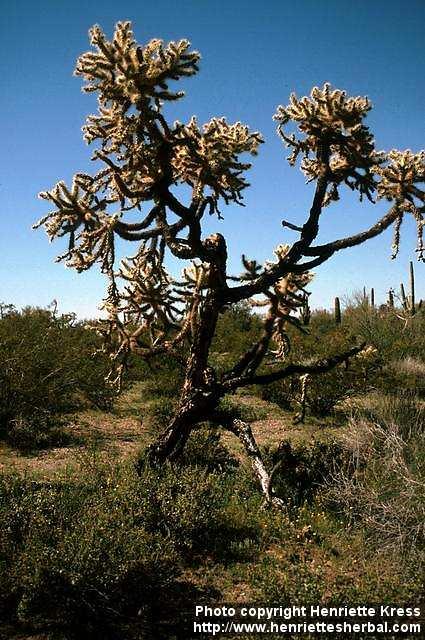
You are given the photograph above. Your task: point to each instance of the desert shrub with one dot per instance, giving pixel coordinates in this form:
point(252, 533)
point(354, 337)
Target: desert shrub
point(232, 408)
point(162, 377)
point(158, 413)
point(185, 505)
point(39, 431)
point(313, 558)
point(237, 329)
point(48, 368)
point(325, 391)
point(101, 545)
point(304, 468)
point(394, 333)
point(74, 556)
point(405, 373)
point(206, 450)
point(281, 393)
point(399, 342)
point(383, 488)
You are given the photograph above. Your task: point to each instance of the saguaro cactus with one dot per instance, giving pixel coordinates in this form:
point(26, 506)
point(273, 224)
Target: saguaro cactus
point(305, 311)
point(412, 290)
point(408, 302)
point(337, 310)
point(404, 300)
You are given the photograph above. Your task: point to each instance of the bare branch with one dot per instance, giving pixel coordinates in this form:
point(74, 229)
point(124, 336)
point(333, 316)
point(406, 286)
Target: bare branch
point(321, 366)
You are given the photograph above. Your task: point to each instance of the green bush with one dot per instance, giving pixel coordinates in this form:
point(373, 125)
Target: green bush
point(69, 557)
point(101, 545)
point(48, 368)
point(405, 373)
point(204, 449)
point(237, 329)
point(282, 393)
point(325, 391)
point(39, 431)
point(184, 504)
point(162, 376)
point(232, 408)
point(303, 468)
point(395, 334)
point(158, 413)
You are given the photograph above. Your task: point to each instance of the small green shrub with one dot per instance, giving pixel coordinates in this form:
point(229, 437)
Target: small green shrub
point(204, 449)
point(237, 329)
point(395, 334)
point(48, 368)
point(325, 391)
point(162, 377)
point(304, 468)
point(232, 408)
point(158, 413)
point(406, 373)
point(185, 505)
point(101, 545)
point(39, 431)
point(281, 393)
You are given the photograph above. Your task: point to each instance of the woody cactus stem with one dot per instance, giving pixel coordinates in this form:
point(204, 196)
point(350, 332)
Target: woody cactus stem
point(337, 310)
point(390, 301)
point(412, 290)
point(244, 432)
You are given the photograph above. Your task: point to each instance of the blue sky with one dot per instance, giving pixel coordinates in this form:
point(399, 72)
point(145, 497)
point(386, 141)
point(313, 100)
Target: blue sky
point(253, 55)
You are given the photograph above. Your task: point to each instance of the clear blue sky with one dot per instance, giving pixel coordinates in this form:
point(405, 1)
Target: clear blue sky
point(253, 55)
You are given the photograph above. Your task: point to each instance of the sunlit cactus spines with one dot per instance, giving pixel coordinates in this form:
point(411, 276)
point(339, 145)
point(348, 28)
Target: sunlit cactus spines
point(142, 159)
point(330, 123)
point(401, 176)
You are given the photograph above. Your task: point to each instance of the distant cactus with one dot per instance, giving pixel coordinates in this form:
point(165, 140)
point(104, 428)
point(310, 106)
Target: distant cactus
point(305, 311)
point(408, 302)
point(404, 300)
point(337, 310)
point(412, 289)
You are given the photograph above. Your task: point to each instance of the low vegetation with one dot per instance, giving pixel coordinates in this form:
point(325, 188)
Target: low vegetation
point(48, 369)
point(107, 547)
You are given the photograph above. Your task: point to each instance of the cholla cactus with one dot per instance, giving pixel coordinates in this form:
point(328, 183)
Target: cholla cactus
point(333, 130)
point(209, 158)
point(120, 70)
point(400, 176)
point(142, 158)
